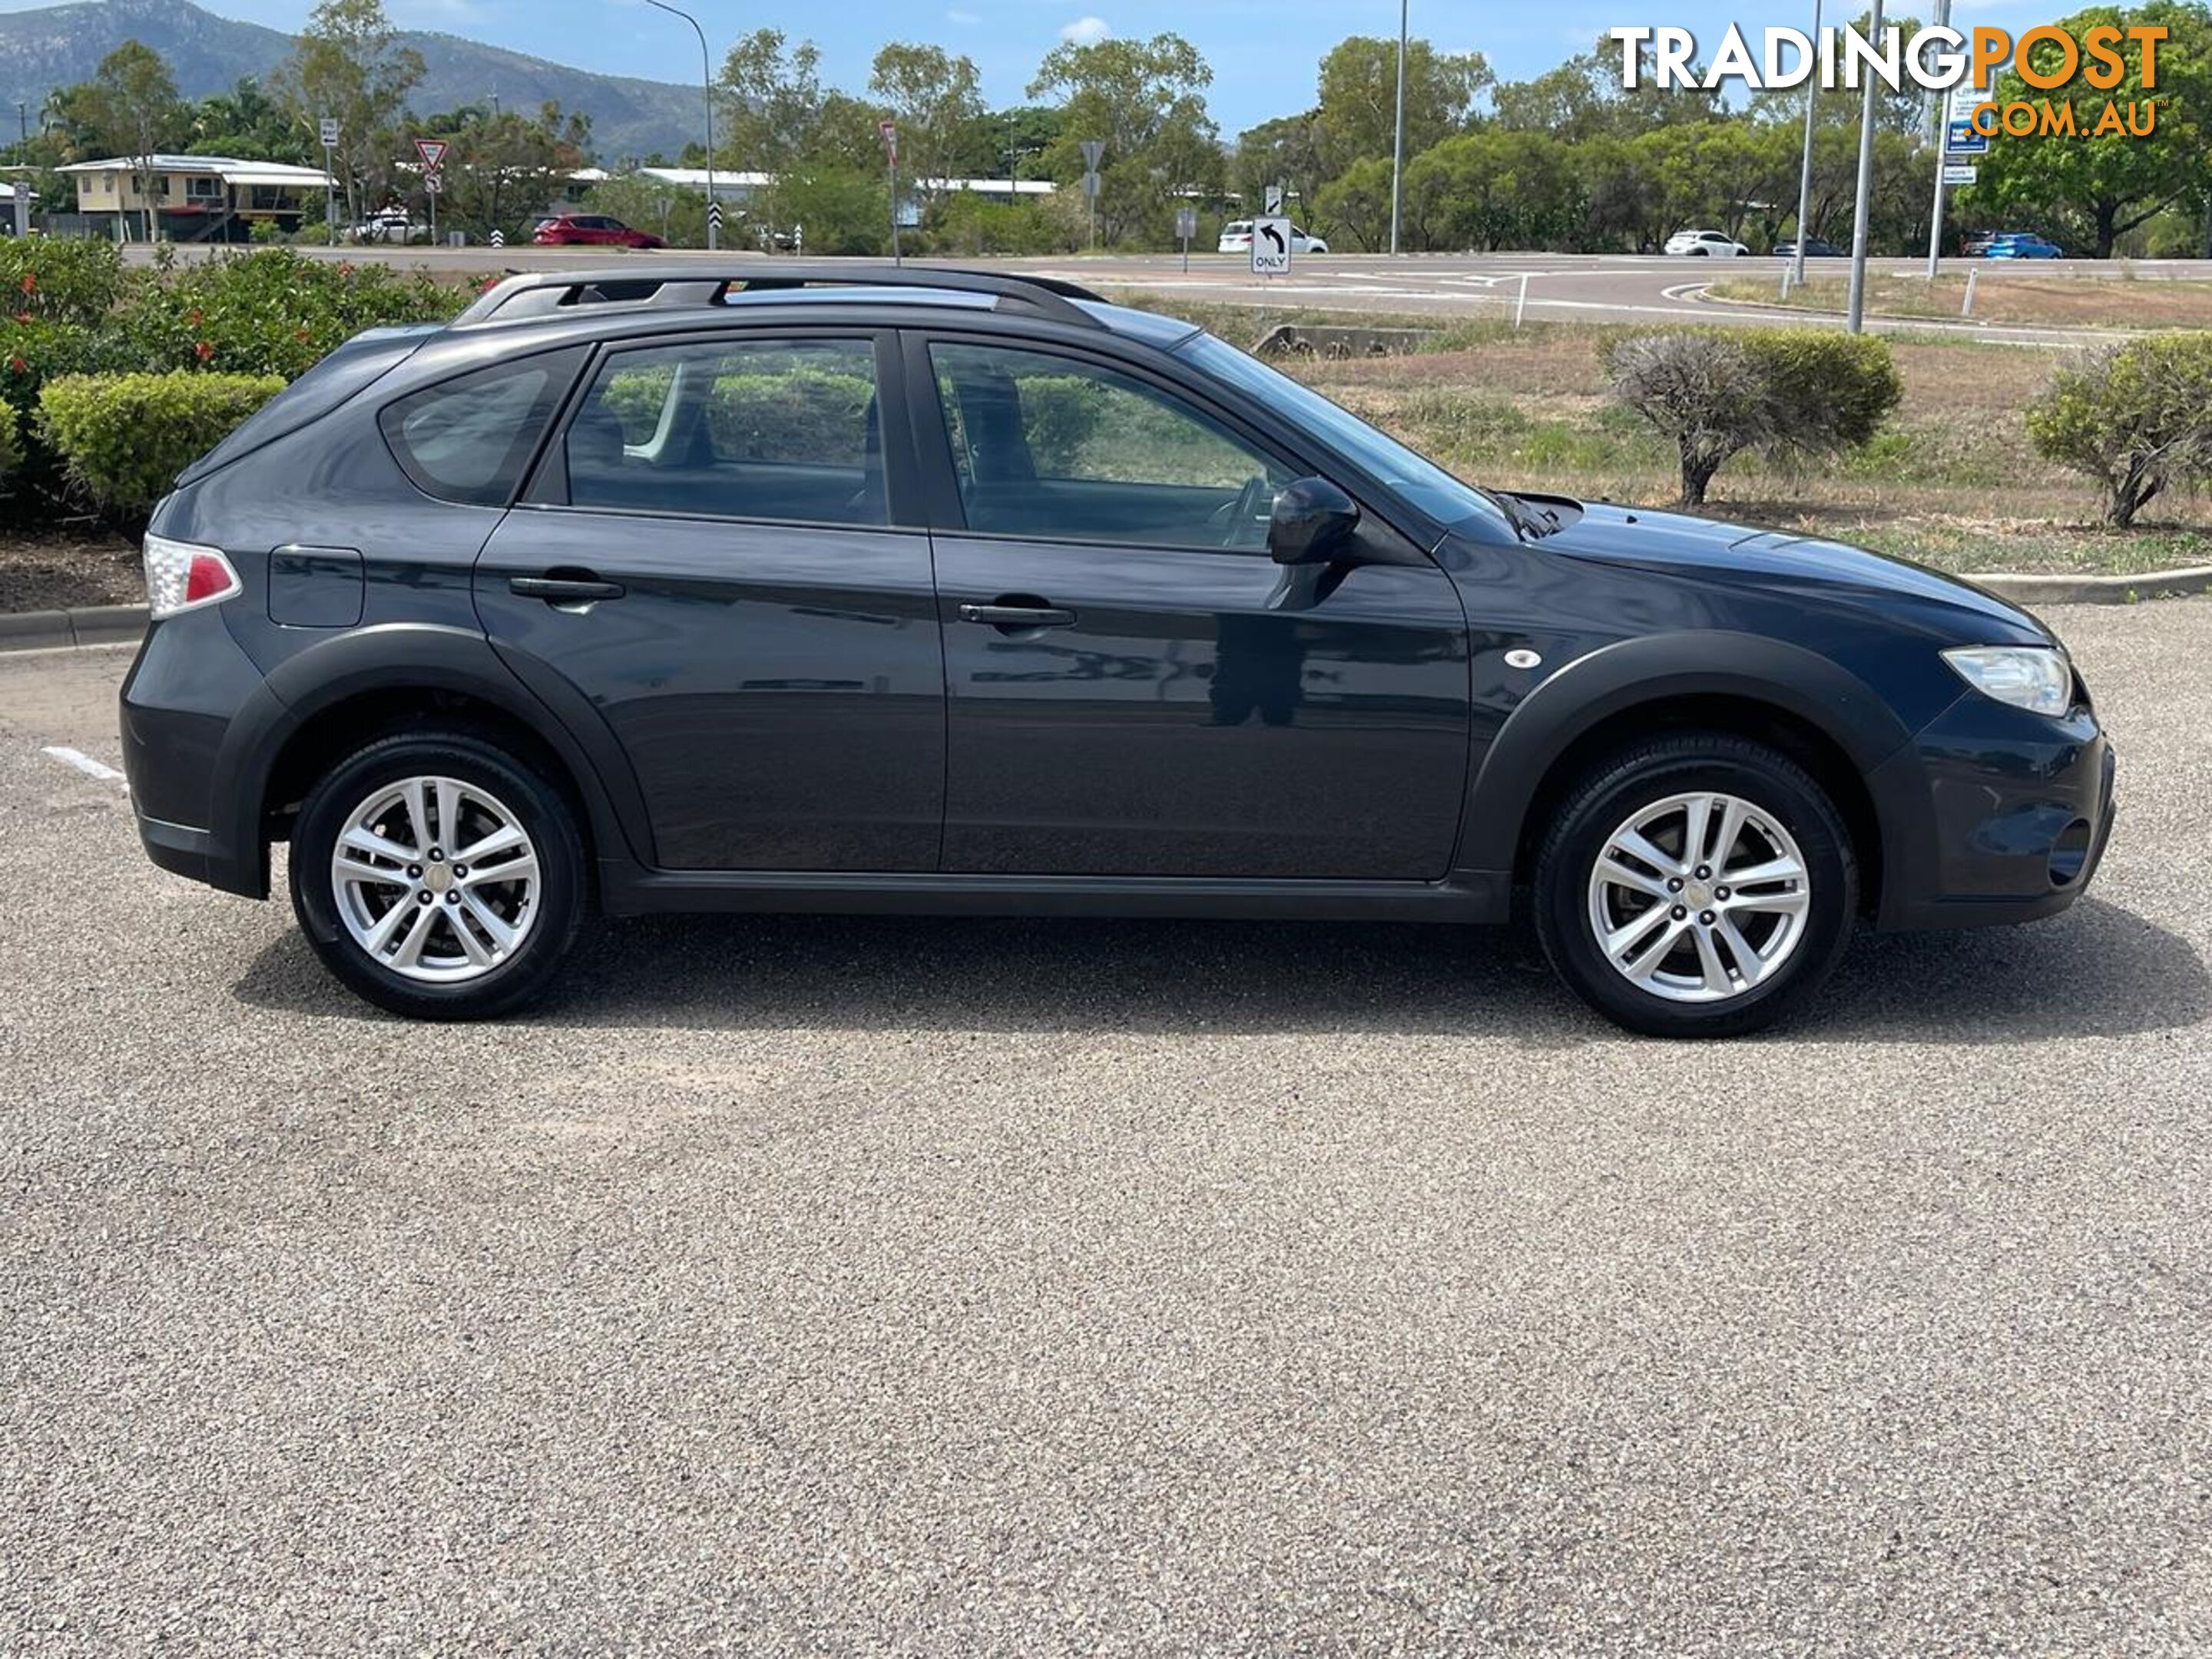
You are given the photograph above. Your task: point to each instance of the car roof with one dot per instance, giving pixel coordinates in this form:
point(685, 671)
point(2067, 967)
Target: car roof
point(697, 291)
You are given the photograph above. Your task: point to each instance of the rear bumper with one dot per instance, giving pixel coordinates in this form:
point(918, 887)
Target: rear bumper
point(1993, 815)
point(180, 704)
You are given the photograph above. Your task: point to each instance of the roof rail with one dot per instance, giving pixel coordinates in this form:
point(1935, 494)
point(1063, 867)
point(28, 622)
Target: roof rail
point(668, 284)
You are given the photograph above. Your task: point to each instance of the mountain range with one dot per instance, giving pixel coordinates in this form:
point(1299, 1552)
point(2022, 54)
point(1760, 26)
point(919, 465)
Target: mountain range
point(58, 45)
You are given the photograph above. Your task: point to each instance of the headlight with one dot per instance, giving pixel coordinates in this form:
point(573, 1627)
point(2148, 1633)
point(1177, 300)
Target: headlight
point(2038, 678)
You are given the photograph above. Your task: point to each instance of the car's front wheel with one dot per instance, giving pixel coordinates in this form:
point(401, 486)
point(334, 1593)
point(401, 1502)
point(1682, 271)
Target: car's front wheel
point(1699, 884)
point(439, 876)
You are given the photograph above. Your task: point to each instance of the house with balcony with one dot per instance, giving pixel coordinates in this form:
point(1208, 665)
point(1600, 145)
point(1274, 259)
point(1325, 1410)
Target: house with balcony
point(194, 199)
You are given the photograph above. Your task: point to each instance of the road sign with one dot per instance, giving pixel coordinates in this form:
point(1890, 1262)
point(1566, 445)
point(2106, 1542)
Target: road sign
point(330, 124)
point(1186, 222)
point(499, 238)
point(435, 183)
point(1090, 185)
point(1094, 151)
point(1959, 172)
point(1271, 248)
point(1959, 138)
point(713, 215)
point(1275, 199)
point(432, 152)
point(889, 131)
point(1964, 101)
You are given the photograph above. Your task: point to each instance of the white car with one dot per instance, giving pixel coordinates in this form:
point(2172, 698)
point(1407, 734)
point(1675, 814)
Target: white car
point(1707, 244)
point(1237, 238)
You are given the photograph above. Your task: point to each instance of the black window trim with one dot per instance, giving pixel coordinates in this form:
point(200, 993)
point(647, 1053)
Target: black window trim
point(949, 515)
point(547, 487)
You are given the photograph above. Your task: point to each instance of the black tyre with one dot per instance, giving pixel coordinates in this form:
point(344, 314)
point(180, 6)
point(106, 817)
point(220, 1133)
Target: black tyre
point(439, 876)
point(1699, 884)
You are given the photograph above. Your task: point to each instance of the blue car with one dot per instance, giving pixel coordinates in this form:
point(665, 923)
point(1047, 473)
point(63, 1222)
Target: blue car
point(2024, 246)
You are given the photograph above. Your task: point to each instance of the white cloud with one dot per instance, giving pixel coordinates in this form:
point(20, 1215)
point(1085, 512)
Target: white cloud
point(1086, 31)
point(965, 19)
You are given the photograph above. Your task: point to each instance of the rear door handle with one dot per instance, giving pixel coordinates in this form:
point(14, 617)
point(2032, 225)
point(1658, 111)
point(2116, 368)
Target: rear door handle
point(563, 590)
point(1017, 616)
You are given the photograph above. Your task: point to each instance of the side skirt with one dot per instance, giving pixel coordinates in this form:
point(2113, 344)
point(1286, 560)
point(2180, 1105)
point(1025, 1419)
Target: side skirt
point(1465, 896)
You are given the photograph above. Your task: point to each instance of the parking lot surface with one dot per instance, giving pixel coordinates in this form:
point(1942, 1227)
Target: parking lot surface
point(1032, 1288)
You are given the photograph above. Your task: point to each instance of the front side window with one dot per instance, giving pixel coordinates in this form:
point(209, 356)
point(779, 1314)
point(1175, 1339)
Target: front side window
point(468, 439)
point(1058, 448)
point(783, 430)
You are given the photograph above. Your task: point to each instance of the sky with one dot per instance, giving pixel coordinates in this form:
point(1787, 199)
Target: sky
point(1264, 53)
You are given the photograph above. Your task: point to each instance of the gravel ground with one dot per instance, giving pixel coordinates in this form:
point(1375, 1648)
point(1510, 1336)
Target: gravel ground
point(1034, 1289)
point(61, 573)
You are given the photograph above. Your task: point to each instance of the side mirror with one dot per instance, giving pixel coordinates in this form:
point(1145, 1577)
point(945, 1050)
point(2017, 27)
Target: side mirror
point(1313, 521)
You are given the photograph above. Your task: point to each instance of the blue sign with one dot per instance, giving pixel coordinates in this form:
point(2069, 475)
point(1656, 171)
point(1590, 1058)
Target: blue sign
point(1959, 138)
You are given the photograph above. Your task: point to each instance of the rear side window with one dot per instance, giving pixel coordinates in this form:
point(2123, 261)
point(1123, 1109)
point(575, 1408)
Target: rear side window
point(360, 362)
point(469, 439)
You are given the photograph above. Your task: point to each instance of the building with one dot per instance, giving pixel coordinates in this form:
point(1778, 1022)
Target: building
point(194, 199)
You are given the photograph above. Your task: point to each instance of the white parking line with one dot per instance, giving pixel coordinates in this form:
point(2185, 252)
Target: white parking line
point(84, 764)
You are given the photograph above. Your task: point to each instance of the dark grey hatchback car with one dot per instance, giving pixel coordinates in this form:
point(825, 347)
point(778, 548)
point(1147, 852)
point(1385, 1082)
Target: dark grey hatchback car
point(769, 586)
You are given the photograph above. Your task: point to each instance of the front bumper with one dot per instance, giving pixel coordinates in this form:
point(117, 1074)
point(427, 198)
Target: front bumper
point(1992, 815)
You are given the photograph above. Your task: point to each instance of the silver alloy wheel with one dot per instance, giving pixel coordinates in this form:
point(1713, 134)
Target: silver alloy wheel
point(1699, 898)
point(436, 879)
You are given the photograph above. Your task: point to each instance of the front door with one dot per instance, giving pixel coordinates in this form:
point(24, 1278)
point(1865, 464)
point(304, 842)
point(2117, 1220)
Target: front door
point(713, 561)
point(1135, 687)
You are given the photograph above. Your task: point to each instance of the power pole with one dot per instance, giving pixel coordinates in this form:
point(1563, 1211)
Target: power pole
point(1855, 319)
point(1805, 168)
point(1935, 132)
point(1398, 144)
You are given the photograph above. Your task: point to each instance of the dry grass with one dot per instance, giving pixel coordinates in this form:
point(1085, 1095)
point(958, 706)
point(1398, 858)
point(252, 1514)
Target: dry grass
point(1953, 482)
point(2004, 292)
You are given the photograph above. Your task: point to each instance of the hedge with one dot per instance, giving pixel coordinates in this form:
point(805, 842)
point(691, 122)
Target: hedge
point(123, 438)
point(2135, 418)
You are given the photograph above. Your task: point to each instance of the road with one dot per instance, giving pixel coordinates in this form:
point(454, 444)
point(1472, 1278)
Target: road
point(1561, 287)
point(1050, 1288)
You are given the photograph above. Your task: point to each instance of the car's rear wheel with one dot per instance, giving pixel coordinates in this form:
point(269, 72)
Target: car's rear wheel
point(439, 876)
point(1697, 886)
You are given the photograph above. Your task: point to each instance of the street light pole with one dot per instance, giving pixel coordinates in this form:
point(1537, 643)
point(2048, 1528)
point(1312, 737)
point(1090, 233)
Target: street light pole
point(1398, 143)
point(707, 85)
point(1805, 169)
point(1939, 129)
point(1855, 319)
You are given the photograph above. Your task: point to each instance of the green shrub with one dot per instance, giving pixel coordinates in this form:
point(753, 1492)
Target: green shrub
point(2135, 418)
point(273, 311)
point(1714, 393)
point(11, 444)
point(68, 281)
point(124, 438)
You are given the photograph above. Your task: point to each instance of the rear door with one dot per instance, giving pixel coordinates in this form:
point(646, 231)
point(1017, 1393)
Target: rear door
point(713, 554)
point(1135, 687)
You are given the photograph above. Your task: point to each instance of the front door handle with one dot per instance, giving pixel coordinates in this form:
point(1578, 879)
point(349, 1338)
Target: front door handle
point(563, 590)
point(1018, 617)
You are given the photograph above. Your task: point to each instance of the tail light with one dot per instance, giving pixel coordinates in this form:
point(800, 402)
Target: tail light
point(180, 577)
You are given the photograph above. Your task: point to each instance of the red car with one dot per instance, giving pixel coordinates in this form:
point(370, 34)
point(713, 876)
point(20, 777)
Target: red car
point(590, 230)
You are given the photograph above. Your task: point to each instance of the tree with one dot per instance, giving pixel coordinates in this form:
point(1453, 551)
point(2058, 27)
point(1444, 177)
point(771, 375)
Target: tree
point(1286, 151)
point(937, 100)
point(247, 122)
point(774, 93)
point(2135, 418)
point(1003, 143)
point(502, 167)
point(132, 100)
point(347, 64)
point(1491, 191)
point(2096, 189)
point(1360, 93)
point(669, 211)
point(1146, 100)
point(1356, 205)
point(1585, 98)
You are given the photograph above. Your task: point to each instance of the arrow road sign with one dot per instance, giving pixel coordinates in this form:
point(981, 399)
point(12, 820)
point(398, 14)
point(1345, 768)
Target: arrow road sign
point(715, 214)
point(330, 125)
point(435, 183)
point(1275, 199)
point(499, 238)
point(432, 152)
point(1271, 248)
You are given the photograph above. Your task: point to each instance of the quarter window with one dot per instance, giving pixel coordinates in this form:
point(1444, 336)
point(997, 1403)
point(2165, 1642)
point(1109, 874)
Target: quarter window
point(1053, 447)
point(785, 430)
point(468, 439)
